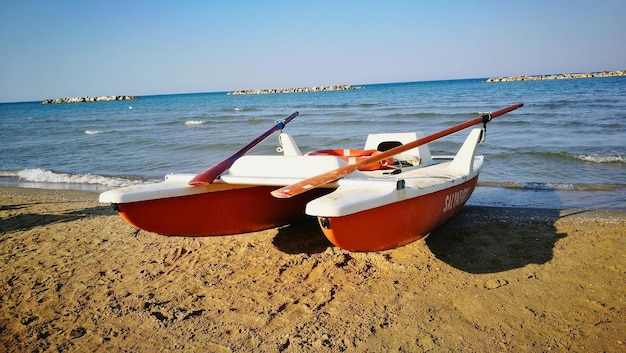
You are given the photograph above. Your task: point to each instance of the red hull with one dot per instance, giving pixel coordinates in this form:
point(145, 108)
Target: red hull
point(396, 224)
point(222, 212)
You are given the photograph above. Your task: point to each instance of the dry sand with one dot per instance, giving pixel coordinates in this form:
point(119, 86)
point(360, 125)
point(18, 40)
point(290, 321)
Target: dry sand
point(76, 277)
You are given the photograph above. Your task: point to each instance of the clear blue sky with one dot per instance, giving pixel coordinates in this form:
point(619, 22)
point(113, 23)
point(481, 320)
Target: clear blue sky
point(66, 48)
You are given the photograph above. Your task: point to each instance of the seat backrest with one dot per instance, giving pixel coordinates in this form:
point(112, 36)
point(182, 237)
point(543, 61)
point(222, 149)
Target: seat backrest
point(386, 141)
point(464, 159)
point(289, 146)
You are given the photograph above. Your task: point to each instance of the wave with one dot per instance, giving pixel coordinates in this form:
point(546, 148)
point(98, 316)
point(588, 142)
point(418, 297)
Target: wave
point(556, 104)
point(340, 105)
point(572, 157)
point(256, 121)
point(240, 109)
point(194, 122)
point(45, 176)
point(588, 158)
point(601, 159)
point(553, 186)
point(415, 115)
point(95, 132)
point(48, 176)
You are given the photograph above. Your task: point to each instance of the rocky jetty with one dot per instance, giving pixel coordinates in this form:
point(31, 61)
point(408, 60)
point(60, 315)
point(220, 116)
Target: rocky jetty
point(558, 77)
point(295, 90)
point(88, 99)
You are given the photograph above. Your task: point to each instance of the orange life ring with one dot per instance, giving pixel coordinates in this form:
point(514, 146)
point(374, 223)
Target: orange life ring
point(354, 156)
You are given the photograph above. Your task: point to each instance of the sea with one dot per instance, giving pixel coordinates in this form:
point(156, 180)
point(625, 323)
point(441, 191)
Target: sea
point(565, 148)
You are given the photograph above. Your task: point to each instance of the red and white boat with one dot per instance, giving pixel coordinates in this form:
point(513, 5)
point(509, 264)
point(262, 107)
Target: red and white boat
point(378, 210)
point(238, 201)
point(389, 194)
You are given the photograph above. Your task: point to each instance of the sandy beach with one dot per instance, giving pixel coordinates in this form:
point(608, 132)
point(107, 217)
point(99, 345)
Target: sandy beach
point(76, 277)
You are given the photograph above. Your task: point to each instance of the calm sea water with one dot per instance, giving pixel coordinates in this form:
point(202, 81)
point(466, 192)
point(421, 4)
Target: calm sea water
point(565, 148)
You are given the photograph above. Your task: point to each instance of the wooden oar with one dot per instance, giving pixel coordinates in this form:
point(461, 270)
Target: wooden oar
point(209, 175)
point(319, 180)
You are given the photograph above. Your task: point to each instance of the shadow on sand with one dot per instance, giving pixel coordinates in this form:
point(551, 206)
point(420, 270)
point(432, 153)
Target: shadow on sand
point(477, 240)
point(489, 239)
point(26, 221)
point(301, 237)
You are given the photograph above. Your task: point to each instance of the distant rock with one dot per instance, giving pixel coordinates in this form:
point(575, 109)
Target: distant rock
point(295, 90)
point(558, 77)
point(88, 99)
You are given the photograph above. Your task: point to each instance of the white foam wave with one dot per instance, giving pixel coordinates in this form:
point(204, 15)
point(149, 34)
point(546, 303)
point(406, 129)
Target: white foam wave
point(550, 186)
point(194, 122)
point(94, 132)
point(48, 176)
point(601, 159)
point(554, 186)
point(238, 109)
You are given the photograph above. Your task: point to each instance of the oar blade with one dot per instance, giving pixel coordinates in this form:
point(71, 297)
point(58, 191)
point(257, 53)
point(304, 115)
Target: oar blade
point(314, 182)
point(209, 175)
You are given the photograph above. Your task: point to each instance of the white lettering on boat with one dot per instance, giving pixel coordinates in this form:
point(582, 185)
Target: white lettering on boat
point(456, 198)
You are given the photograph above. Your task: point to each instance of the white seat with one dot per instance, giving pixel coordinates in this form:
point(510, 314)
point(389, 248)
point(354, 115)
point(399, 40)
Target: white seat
point(422, 152)
point(283, 166)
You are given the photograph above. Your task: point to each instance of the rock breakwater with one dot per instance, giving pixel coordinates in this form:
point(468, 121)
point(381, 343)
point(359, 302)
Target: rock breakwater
point(558, 77)
point(295, 90)
point(88, 99)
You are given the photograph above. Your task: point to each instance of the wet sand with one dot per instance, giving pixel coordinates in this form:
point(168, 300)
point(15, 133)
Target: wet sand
point(76, 277)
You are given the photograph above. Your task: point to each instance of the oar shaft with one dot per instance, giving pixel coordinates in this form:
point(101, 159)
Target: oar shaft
point(319, 180)
point(437, 135)
point(209, 175)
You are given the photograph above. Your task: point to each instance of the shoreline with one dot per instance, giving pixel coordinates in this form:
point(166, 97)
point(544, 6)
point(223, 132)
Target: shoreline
point(78, 277)
point(486, 194)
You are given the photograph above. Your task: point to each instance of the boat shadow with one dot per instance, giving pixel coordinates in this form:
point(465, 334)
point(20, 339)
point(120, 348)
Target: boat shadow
point(26, 221)
point(494, 239)
point(302, 236)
